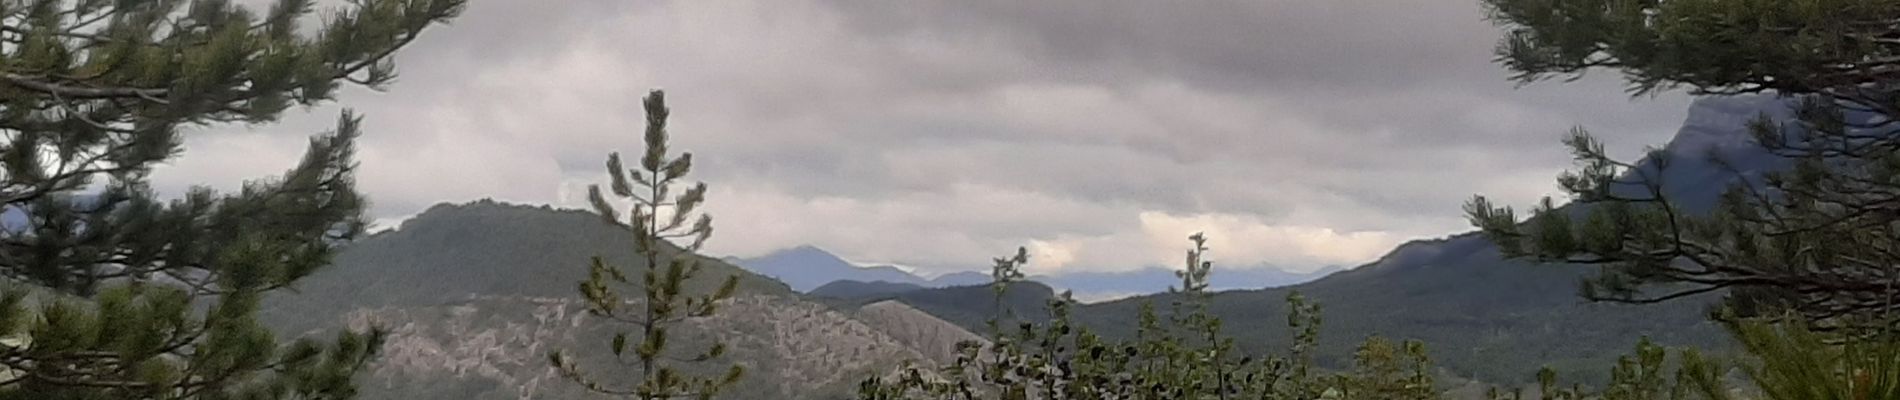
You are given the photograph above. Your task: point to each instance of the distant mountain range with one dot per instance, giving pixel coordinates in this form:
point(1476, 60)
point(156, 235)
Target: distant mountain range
point(807, 268)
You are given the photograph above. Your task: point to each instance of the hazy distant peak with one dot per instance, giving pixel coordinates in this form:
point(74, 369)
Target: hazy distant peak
point(805, 249)
point(807, 267)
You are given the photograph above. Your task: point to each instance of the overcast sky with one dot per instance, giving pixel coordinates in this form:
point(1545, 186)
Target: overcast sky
point(937, 134)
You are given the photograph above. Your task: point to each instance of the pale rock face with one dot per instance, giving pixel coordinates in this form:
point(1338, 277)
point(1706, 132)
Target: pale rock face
point(495, 347)
point(466, 343)
point(936, 338)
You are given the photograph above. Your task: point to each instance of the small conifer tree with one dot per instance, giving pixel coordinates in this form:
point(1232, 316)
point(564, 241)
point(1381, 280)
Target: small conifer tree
point(661, 212)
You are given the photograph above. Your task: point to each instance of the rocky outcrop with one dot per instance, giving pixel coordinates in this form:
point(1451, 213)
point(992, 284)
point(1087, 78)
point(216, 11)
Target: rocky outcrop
point(935, 338)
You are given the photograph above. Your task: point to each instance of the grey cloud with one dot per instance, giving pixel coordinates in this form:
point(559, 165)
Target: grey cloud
point(1331, 46)
point(1340, 59)
point(934, 133)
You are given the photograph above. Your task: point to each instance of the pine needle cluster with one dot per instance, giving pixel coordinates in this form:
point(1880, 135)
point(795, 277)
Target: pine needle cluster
point(111, 292)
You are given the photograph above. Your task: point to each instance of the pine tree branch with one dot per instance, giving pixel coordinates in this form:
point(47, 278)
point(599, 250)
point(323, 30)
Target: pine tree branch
point(73, 92)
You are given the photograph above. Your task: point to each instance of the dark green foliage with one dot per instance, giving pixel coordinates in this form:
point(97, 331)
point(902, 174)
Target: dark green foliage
point(116, 294)
point(1794, 362)
point(1709, 46)
point(1644, 374)
point(189, 330)
point(1818, 238)
point(1186, 357)
point(1386, 370)
point(1786, 360)
point(97, 90)
point(658, 215)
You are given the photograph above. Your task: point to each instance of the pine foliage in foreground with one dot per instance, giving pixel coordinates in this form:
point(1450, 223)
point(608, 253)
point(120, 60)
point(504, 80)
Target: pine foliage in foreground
point(1818, 238)
point(114, 293)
